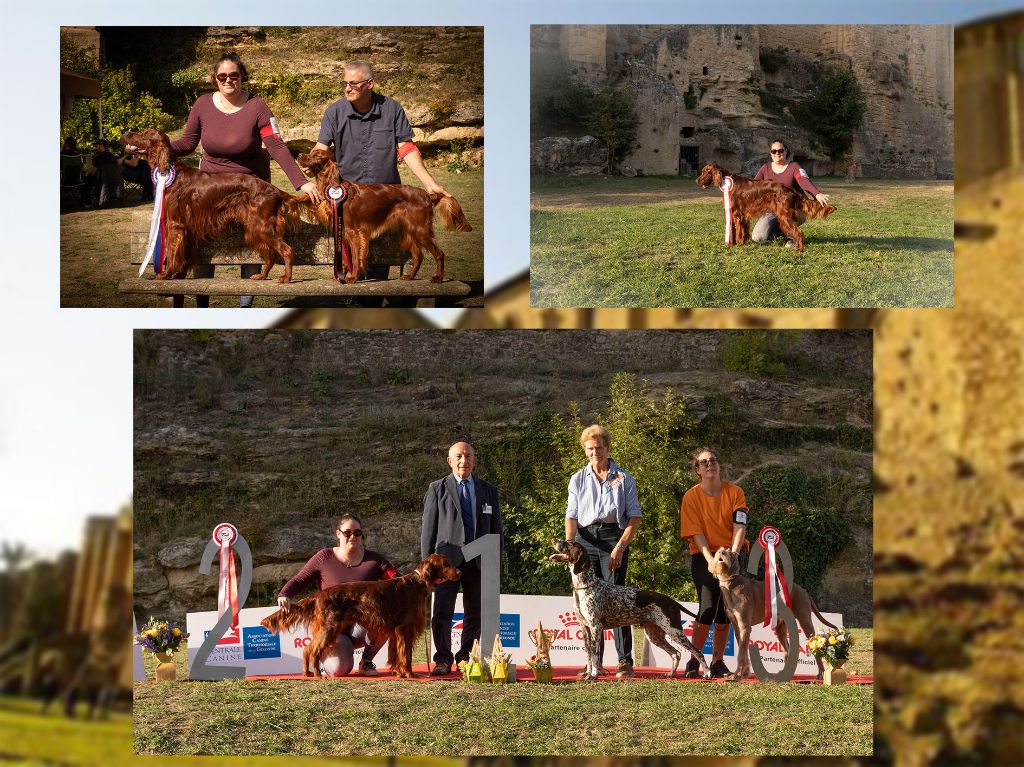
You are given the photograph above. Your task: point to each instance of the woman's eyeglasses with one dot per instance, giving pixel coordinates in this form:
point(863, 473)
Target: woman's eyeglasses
point(223, 77)
point(705, 462)
point(350, 533)
point(777, 151)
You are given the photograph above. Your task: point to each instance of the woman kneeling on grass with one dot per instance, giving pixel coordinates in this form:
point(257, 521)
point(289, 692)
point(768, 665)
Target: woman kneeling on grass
point(713, 515)
point(788, 174)
point(347, 562)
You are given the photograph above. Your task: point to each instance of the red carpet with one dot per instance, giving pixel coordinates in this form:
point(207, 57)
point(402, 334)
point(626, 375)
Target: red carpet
point(566, 674)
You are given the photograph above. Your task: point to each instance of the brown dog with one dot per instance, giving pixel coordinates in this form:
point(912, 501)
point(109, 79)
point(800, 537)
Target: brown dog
point(394, 608)
point(372, 209)
point(744, 602)
point(199, 206)
point(752, 199)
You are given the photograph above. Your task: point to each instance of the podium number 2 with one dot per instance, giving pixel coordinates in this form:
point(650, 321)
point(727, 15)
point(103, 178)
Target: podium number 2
point(200, 669)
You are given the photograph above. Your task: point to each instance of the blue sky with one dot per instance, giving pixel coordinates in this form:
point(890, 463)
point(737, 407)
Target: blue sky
point(65, 381)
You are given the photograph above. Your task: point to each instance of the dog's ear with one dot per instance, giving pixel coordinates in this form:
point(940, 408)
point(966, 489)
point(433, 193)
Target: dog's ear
point(578, 557)
point(159, 149)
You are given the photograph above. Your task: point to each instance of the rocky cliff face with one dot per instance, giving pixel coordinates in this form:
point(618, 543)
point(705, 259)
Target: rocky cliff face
point(723, 93)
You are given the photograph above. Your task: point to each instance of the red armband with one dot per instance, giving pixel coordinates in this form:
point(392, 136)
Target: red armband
point(388, 573)
point(270, 130)
point(407, 147)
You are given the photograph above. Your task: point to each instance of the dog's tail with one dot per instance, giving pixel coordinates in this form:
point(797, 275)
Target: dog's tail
point(451, 213)
point(299, 210)
point(814, 609)
point(299, 612)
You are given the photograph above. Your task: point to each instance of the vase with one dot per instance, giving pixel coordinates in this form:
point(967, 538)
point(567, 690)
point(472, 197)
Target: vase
point(542, 674)
point(165, 671)
point(835, 675)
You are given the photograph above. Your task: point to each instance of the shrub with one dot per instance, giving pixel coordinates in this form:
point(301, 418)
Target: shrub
point(835, 112)
point(613, 121)
point(558, 105)
point(757, 352)
point(772, 59)
point(124, 109)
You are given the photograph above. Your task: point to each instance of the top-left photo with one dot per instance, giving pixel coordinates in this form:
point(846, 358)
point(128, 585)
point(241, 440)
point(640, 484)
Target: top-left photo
point(271, 167)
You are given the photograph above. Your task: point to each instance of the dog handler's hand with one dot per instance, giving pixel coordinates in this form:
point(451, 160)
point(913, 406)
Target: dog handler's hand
point(284, 603)
point(314, 194)
point(822, 198)
point(616, 559)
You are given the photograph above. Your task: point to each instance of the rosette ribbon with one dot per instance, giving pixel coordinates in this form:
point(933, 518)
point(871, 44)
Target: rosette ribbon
point(726, 187)
point(156, 247)
point(770, 537)
point(225, 535)
point(336, 195)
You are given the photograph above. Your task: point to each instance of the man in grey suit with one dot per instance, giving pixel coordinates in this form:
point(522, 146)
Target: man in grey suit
point(457, 510)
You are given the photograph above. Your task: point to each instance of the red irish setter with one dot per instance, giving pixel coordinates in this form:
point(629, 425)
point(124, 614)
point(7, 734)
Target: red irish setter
point(200, 205)
point(372, 209)
point(394, 608)
point(752, 199)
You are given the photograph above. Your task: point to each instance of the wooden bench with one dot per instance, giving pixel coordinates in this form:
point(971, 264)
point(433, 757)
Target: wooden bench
point(311, 247)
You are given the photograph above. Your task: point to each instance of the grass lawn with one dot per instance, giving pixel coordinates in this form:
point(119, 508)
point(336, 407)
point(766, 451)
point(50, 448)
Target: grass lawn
point(392, 717)
point(94, 251)
point(657, 241)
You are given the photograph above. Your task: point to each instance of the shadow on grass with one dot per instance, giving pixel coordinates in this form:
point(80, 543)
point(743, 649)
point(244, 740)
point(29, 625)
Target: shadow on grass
point(928, 244)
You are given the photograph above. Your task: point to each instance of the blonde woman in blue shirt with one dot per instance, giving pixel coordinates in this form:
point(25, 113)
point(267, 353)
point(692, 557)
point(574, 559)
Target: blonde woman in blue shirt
point(602, 515)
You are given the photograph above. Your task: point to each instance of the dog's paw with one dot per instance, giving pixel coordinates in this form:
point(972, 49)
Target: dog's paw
point(257, 277)
point(406, 276)
point(283, 279)
point(437, 279)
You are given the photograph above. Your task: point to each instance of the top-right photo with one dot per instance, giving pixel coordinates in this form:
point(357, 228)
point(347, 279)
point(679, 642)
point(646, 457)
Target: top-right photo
point(789, 166)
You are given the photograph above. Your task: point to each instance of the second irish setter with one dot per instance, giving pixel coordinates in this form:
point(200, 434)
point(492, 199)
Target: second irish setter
point(395, 609)
point(372, 209)
point(752, 199)
point(199, 206)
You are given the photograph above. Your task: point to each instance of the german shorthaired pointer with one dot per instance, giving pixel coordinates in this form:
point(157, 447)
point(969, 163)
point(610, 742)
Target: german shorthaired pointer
point(601, 605)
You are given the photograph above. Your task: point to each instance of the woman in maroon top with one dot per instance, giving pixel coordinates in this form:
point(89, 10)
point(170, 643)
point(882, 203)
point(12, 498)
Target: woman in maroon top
point(347, 562)
point(788, 174)
point(233, 127)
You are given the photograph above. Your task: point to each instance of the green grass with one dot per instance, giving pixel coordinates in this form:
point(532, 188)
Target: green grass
point(390, 717)
point(615, 241)
point(32, 738)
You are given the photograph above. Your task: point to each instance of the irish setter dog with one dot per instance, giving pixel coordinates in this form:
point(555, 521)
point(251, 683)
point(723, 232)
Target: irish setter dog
point(372, 209)
point(752, 199)
point(394, 608)
point(200, 205)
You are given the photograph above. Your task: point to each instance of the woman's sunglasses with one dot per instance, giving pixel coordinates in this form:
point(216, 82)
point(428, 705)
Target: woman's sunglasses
point(223, 77)
point(349, 533)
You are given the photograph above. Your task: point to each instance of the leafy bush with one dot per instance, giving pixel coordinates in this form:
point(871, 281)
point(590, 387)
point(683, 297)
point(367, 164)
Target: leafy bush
point(757, 352)
point(690, 98)
point(807, 510)
point(645, 433)
point(613, 121)
point(558, 105)
point(124, 109)
point(772, 59)
point(835, 112)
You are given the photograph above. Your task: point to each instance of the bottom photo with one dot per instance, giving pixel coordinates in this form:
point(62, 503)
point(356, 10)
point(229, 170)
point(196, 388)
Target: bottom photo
point(560, 542)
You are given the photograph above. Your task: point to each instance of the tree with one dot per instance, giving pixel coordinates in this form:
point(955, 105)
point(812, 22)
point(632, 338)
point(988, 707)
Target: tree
point(613, 123)
point(124, 109)
point(835, 112)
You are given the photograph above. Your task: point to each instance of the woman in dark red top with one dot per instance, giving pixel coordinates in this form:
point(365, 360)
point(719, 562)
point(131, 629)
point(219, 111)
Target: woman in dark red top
point(788, 174)
point(348, 562)
point(233, 127)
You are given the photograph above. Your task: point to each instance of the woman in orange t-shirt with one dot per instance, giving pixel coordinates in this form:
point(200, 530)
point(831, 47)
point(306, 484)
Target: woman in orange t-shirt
point(713, 515)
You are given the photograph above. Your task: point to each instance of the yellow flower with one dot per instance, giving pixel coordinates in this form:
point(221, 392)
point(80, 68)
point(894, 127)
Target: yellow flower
point(831, 640)
point(177, 632)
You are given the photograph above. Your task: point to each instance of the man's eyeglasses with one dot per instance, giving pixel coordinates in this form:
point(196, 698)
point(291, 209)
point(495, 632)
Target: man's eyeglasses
point(223, 77)
point(350, 533)
point(705, 462)
point(354, 83)
point(777, 151)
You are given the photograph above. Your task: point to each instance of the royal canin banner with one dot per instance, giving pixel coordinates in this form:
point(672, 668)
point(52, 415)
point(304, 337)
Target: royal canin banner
point(520, 614)
point(259, 651)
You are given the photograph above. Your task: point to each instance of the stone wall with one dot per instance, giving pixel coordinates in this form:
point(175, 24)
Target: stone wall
point(705, 87)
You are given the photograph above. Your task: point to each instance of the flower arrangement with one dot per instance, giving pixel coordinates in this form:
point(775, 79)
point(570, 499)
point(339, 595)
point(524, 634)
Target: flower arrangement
point(540, 663)
point(160, 636)
point(833, 647)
